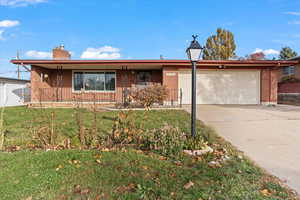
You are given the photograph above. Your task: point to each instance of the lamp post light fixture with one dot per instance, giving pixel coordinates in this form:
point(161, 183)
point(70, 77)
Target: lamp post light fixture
point(194, 53)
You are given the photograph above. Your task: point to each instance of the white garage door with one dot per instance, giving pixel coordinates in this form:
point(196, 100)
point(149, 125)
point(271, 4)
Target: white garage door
point(222, 86)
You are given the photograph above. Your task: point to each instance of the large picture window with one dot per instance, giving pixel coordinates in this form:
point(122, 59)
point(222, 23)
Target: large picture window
point(94, 81)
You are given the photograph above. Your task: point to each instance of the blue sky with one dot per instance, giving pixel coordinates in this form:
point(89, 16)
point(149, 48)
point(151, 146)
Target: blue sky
point(141, 29)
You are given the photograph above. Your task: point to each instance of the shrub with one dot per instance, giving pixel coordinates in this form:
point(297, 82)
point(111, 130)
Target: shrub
point(166, 141)
point(150, 95)
point(45, 132)
point(125, 131)
point(170, 141)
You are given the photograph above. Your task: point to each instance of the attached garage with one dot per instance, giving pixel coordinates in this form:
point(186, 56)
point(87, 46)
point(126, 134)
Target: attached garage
point(222, 86)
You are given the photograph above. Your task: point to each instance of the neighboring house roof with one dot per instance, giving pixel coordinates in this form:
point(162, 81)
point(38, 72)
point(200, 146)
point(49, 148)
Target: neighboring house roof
point(13, 79)
point(295, 58)
point(254, 63)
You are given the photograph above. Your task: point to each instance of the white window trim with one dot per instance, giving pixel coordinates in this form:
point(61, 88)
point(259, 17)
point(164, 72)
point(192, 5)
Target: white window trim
point(94, 91)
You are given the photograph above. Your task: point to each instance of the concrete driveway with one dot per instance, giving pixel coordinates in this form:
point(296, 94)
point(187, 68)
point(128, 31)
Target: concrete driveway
point(268, 135)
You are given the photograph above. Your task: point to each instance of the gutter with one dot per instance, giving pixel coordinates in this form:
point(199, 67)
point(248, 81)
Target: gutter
point(160, 62)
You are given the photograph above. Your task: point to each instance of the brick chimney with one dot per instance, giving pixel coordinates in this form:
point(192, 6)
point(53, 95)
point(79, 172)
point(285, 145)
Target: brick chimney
point(59, 53)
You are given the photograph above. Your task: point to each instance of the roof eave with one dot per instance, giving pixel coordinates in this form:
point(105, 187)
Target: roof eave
point(160, 62)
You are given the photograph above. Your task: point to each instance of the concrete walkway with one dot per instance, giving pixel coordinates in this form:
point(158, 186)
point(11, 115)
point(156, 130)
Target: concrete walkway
point(269, 135)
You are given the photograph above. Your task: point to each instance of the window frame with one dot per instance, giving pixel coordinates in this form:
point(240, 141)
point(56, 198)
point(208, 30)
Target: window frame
point(94, 91)
point(146, 82)
point(289, 71)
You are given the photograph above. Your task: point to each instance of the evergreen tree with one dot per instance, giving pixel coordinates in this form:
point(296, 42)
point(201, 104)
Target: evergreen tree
point(287, 53)
point(220, 46)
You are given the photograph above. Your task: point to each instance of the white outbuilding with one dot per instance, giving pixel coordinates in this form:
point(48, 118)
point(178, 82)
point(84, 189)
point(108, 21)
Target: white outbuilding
point(14, 92)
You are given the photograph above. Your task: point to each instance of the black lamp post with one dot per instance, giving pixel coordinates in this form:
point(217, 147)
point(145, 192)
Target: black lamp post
point(193, 53)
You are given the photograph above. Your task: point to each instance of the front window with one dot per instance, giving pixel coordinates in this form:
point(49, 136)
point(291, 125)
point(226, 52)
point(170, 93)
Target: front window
point(144, 77)
point(288, 71)
point(94, 81)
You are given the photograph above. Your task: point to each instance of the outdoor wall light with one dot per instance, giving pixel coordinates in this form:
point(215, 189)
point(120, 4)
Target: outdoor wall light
point(44, 77)
point(194, 53)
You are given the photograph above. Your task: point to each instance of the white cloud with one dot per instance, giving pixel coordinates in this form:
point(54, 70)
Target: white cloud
point(105, 52)
point(293, 13)
point(295, 22)
point(18, 3)
point(9, 23)
point(267, 52)
point(38, 54)
point(1, 34)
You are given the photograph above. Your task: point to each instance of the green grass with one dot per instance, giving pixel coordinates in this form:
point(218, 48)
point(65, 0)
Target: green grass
point(18, 121)
point(123, 174)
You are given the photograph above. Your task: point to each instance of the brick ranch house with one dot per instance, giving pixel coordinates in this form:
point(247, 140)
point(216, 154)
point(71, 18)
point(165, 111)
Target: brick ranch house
point(62, 79)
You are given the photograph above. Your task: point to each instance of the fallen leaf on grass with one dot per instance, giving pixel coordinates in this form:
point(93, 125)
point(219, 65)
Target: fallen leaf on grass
point(188, 185)
point(198, 158)
point(129, 188)
point(29, 198)
point(85, 191)
point(178, 163)
point(145, 167)
point(139, 151)
point(63, 197)
point(98, 197)
point(214, 164)
point(98, 161)
point(105, 150)
point(78, 166)
point(74, 162)
point(162, 158)
point(59, 167)
point(98, 156)
point(77, 189)
point(265, 192)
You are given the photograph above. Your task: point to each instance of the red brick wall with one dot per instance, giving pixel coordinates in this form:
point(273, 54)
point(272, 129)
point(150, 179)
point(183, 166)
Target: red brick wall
point(168, 77)
point(124, 78)
point(170, 80)
point(36, 82)
point(60, 54)
point(269, 80)
point(289, 87)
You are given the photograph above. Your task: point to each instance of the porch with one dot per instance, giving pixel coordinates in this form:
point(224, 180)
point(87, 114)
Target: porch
point(109, 85)
point(66, 96)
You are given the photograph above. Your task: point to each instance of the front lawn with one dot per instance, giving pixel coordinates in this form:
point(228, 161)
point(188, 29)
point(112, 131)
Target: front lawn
point(125, 173)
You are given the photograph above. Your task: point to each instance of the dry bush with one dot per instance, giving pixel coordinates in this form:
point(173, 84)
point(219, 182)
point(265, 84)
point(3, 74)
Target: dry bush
point(125, 130)
point(150, 95)
point(45, 129)
point(87, 135)
point(171, 141)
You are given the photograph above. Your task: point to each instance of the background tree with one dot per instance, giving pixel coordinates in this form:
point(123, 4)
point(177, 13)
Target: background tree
point(220, 46)
point(287, 53)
